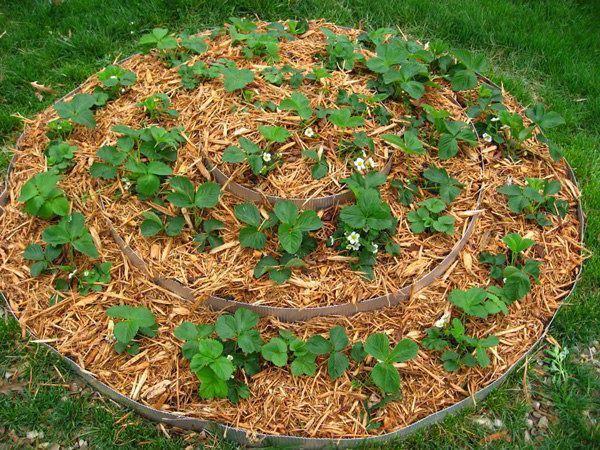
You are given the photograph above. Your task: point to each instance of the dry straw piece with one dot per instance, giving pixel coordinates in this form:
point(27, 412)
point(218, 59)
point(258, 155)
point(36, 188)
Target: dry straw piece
point(312, 407)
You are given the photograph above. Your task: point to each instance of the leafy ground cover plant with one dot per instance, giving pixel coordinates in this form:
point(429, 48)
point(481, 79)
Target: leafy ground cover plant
point(115, 80)
point(43, 258)
point(294, 226)
point(154, 224)
point(252, 235)
point(536, 200)
point(450, 132)
point(510, 132)
point(174, 50)
point(366, 225)
point(408, 190)
point(94, 279)
point(337, 362)
point(514, 270)
point(59, 129)
point(437, 181)
point(194, 200)
point(477, 302)
point(340, 51)
point(42, 198)
point(428, 218)
point(488, 101)
point(298, 103)
point(459, 349)
point(157, 106)
point(79, 109)
point(59, 156)
point(133, 321)
point(71, 233)
point(261, 162)
point(408, 143)
point(384, 374)
point(320, 167)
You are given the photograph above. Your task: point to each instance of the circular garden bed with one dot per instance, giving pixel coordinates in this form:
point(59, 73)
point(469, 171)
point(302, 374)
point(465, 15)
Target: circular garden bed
point(389, 231)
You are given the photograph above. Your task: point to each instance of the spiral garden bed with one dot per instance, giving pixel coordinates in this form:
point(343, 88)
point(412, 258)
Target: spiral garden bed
point(396, 221)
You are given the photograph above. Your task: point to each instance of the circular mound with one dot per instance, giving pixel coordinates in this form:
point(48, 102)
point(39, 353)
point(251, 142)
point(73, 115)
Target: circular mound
point(465, 245)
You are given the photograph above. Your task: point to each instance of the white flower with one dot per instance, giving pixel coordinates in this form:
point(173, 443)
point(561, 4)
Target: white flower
point(375, 248)
point(359, 163)
point(72, 274)
point(353, 237)
point(372, 164)
point(442, 321)
point(266, 156)
point(353, 246)
point(122, 90)
point(486, 137)
point(230, 357)
point(309, 132)
point(113, 77)
point(494, 119)
point(86, 273)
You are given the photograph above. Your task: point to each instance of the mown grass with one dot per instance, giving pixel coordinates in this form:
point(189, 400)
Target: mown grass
point(547, 51)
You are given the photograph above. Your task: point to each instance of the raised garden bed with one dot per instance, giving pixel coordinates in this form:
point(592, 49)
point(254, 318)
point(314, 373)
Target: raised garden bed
point(427, 210)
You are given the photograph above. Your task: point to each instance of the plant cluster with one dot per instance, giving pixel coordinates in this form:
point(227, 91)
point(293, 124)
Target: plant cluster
point(428, 217)
point(225, 355)
point(536, 200)
point(173, 49)
point(157, 106)
point(133, 321)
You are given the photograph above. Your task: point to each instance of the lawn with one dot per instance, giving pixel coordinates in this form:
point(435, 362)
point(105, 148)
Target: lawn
point(544, 51)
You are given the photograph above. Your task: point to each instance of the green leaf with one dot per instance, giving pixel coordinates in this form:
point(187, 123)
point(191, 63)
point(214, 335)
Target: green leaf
point(207, 195)
point(211, 386)
point(308, 221)
point(78, 109)
point(378, 346)
point(264, 265)
point(186, 331)
point(286, 211)
point(248, 213)
point(235, 79)
point(405, 350)
point(290, 238)
point(297, 102)
point(338, 338)
point(318, 345)
point(275, 351)
point(125, 331)
point(274, 133)
point(409, 142)
point(337, 364)
point(250, 237)
point(343, 118)
point(304, 365)
point(516, 243)
point(385, 376)
point(233, 154)
point(250, 341)
point(147, 185)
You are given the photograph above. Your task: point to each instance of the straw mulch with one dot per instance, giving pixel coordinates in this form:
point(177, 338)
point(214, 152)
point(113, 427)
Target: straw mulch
point(78, 327)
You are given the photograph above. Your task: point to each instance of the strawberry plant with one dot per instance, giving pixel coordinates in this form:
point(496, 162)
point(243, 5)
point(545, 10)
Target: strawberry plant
point(459, 349)
point(536, 200)
point(209, 236)
point(261, 162)
point(297, 27)
point(338, 362)
point(71, 233)
point(42, 198)
point(303, 361)
point(157, 106)
point(235, 79)
point(59, 129)
point(299, 103)
point(115, 80)
point(275, 351)
point(439, 182)
point(213, 368)
point(366, 225)
point(153, 224)
point(252, 235)
point(173, 49)
point(294, 226)
point(450, 132)
point(357, 148)
point(489, 101)
point(146, 176)
point(427, 217)
point(43, 258)
point(192, 334)
point(112, 157)
point(408, 143)
point(320, 167)
point(384, 374)
point(78, 110)
point(340, 51)
point(463, 74)
point(280, 270)
point(200, 71)
point(94, 279)
point(343, 118)
point(59, 156)
point(154, 143)
point(240, 328)
point(133, 321)
point(185, 195)
point(408, 190)
point(477, 302)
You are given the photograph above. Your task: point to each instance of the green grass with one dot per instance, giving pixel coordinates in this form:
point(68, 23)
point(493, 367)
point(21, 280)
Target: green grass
point(547, 51)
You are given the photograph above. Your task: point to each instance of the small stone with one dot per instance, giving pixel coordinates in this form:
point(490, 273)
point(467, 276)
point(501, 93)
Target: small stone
point(543, 422)
point(536, 405)
point(529, 423)
point(484, 421)
point(527, 437)
point(536, 414)
point(498, 423)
